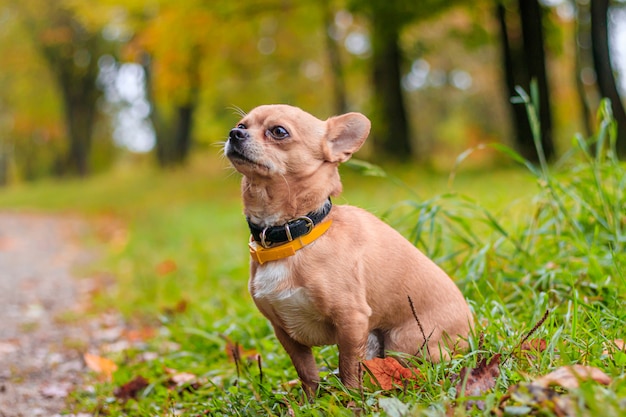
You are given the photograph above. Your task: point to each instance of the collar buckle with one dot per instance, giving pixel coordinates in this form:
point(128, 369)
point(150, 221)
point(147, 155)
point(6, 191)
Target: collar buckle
point(309, 225)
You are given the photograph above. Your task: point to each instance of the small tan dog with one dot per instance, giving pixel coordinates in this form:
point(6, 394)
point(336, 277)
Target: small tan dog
point(325, 274)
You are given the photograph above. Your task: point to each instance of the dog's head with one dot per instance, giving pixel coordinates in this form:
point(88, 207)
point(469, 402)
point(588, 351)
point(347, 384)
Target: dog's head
point(284, 143)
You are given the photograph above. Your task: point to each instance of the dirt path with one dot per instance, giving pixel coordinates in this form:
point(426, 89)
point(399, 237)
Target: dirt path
point(40, 335)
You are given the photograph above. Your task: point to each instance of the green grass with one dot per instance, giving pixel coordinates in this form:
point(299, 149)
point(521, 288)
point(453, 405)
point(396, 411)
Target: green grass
point(518, 242)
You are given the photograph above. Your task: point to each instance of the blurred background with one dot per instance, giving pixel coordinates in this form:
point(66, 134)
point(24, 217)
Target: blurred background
point(86, 85)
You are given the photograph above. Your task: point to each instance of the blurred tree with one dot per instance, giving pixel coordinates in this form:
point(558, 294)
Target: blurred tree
point(205, 58)
point(604, 70)
point(169, 40)
point(171, 47)
point(583, 61)
point(71, 51)
point(388, 18)
point(334, 58)
point(523, 57)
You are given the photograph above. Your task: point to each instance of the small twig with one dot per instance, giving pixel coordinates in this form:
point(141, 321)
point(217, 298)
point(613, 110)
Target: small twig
point(258, 361)
point(361, 364)
point(481, 341)
point(530, 333)
point(534, 329)
point(235, 351)
point(361, 393)
point(419, 324)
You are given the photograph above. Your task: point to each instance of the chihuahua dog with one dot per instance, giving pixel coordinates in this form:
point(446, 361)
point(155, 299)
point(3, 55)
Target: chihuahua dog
point(328, 274)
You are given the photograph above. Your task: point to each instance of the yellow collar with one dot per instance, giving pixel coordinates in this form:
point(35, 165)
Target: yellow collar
point(262, 255)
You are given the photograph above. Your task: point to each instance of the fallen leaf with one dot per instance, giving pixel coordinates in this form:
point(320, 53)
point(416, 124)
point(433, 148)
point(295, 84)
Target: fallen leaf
point(477, 381)
point(388, 373)
point(103, 366)
point(528, 397)
point(166, 267)
point(614, 346)
point(178, 378)
point(534, 345)
point(235, 352)
point(569, 377)
point(540, 394)
point(179, 308)
point(292, 383)
point(131, 389)
point(139, 335)
point(113, 231)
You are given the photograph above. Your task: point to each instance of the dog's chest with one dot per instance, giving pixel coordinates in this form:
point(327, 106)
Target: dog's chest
point(292, 306)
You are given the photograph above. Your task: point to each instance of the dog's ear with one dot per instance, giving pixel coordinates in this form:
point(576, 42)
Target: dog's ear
point(346, 134)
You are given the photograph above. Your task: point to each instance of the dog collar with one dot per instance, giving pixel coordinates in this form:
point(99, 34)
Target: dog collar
point(271, 236)
point(262, 255)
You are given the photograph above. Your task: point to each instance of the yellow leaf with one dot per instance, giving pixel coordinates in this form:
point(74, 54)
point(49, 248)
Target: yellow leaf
point(102, 366)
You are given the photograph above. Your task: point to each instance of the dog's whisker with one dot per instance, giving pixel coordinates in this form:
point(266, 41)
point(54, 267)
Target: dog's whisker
point(238, 111)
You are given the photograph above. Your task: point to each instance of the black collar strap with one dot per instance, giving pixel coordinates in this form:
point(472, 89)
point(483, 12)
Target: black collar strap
point(274, 235)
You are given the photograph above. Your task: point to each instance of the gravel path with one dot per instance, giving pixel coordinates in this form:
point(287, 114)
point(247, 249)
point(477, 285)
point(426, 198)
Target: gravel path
point(40, 334)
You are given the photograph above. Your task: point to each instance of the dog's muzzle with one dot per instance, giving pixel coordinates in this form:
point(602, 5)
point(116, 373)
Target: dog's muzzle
point(238, 135)
point(237, 138)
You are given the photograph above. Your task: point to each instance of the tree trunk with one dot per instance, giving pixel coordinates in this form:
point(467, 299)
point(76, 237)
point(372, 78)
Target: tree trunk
point(173, 135)
point(524, 60)
point(334, 59)
point(532, 33)
point(162, 147)
point(80, 97)
point(76, 81)
point(182, 136)
point(4, 167)
point(582, 38)
point(604, 71)
point(391, 130)
point(512, 60)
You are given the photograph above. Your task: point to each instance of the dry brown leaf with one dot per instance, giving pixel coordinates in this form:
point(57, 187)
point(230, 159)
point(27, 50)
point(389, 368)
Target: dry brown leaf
point(616, 345)
point(537, 398)
point(477, 381)
point(166, 267)
point(131, 389)
point(178, 378)
point(388, 373)
point(180, 307)
point(235, 352)
point(139, 335)
point(534, 345)
point(103, 366)
point(569, 377)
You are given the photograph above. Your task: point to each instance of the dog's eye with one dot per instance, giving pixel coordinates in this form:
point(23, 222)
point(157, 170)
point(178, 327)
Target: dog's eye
point(278, 132)
point(241, 126)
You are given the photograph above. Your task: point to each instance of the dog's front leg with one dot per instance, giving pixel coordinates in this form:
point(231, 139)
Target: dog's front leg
point(302, 359)
point(352, 344)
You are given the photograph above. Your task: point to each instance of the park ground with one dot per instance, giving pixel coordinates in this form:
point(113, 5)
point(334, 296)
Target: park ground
point(125, 294)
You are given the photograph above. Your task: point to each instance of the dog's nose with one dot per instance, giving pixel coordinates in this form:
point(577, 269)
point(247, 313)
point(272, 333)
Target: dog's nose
point(238, 134)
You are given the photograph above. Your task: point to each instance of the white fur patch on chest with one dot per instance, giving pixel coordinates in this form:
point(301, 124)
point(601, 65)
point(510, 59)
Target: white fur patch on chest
point(293, 305)
point(270, 280)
